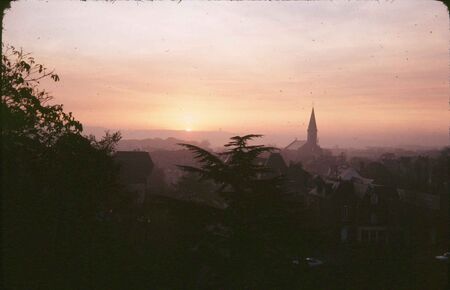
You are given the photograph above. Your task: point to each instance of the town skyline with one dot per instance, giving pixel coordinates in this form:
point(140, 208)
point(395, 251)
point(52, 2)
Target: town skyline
point(225, 144)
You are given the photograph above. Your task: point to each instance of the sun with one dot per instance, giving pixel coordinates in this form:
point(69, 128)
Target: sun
point(188, 129)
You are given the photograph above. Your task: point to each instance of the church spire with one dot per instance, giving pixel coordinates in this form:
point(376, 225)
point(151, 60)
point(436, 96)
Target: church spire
point(312, 129)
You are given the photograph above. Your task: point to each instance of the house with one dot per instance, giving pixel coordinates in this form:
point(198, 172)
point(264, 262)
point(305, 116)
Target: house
point(424, 222)
point(135, 171)
point(378, 215)
point(351, 209)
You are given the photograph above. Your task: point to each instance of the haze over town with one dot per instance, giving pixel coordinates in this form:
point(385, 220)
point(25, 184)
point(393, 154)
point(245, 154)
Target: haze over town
point(225, 145)
point(376, 72)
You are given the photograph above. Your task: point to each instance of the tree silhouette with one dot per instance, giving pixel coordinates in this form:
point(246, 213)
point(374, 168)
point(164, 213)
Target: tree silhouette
point(240, 174)
point(54, 181)
point(26, 112)
point(254, 200)
point(236, 167)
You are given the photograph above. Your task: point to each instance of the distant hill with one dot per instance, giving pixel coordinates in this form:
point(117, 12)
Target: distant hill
point(278, 139)
point(164, 137)
point(156, 144)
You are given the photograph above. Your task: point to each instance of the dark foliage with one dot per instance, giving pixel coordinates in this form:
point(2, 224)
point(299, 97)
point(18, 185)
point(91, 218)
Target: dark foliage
point(54, 182)
point(257, 217)
point(237, 167)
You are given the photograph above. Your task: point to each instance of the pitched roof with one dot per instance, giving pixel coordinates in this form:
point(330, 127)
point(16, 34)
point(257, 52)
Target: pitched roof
point(135, 166)
point(350, 173)
point(295, 145)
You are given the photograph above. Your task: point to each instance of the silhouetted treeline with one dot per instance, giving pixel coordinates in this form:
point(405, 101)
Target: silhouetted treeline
point(54, 182)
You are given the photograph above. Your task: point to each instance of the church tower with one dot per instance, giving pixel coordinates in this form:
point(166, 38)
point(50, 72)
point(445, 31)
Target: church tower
point(312, 129)
point(310, 150)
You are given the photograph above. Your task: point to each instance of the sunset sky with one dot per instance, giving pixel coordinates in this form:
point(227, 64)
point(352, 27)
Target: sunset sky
point(377, 72)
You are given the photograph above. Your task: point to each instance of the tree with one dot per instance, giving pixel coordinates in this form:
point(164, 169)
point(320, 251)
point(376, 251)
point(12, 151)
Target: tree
point(54, 180)
point(252, 199)
point(255, 205)
point(237, 167)
point(26, 112)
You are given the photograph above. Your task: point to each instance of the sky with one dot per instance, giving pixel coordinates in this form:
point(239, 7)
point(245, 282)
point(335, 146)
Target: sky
point(377, 72)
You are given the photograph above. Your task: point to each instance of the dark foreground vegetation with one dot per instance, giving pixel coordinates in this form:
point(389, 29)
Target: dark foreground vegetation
point(68, 223)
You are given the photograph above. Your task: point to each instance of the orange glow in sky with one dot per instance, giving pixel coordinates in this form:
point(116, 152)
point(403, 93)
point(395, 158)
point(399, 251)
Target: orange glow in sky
point(377, 72)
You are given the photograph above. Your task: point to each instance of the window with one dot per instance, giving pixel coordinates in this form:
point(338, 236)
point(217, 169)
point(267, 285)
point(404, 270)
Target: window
point(373, 235)
point(344, 234)
point(345, 213)
point(374, 198)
